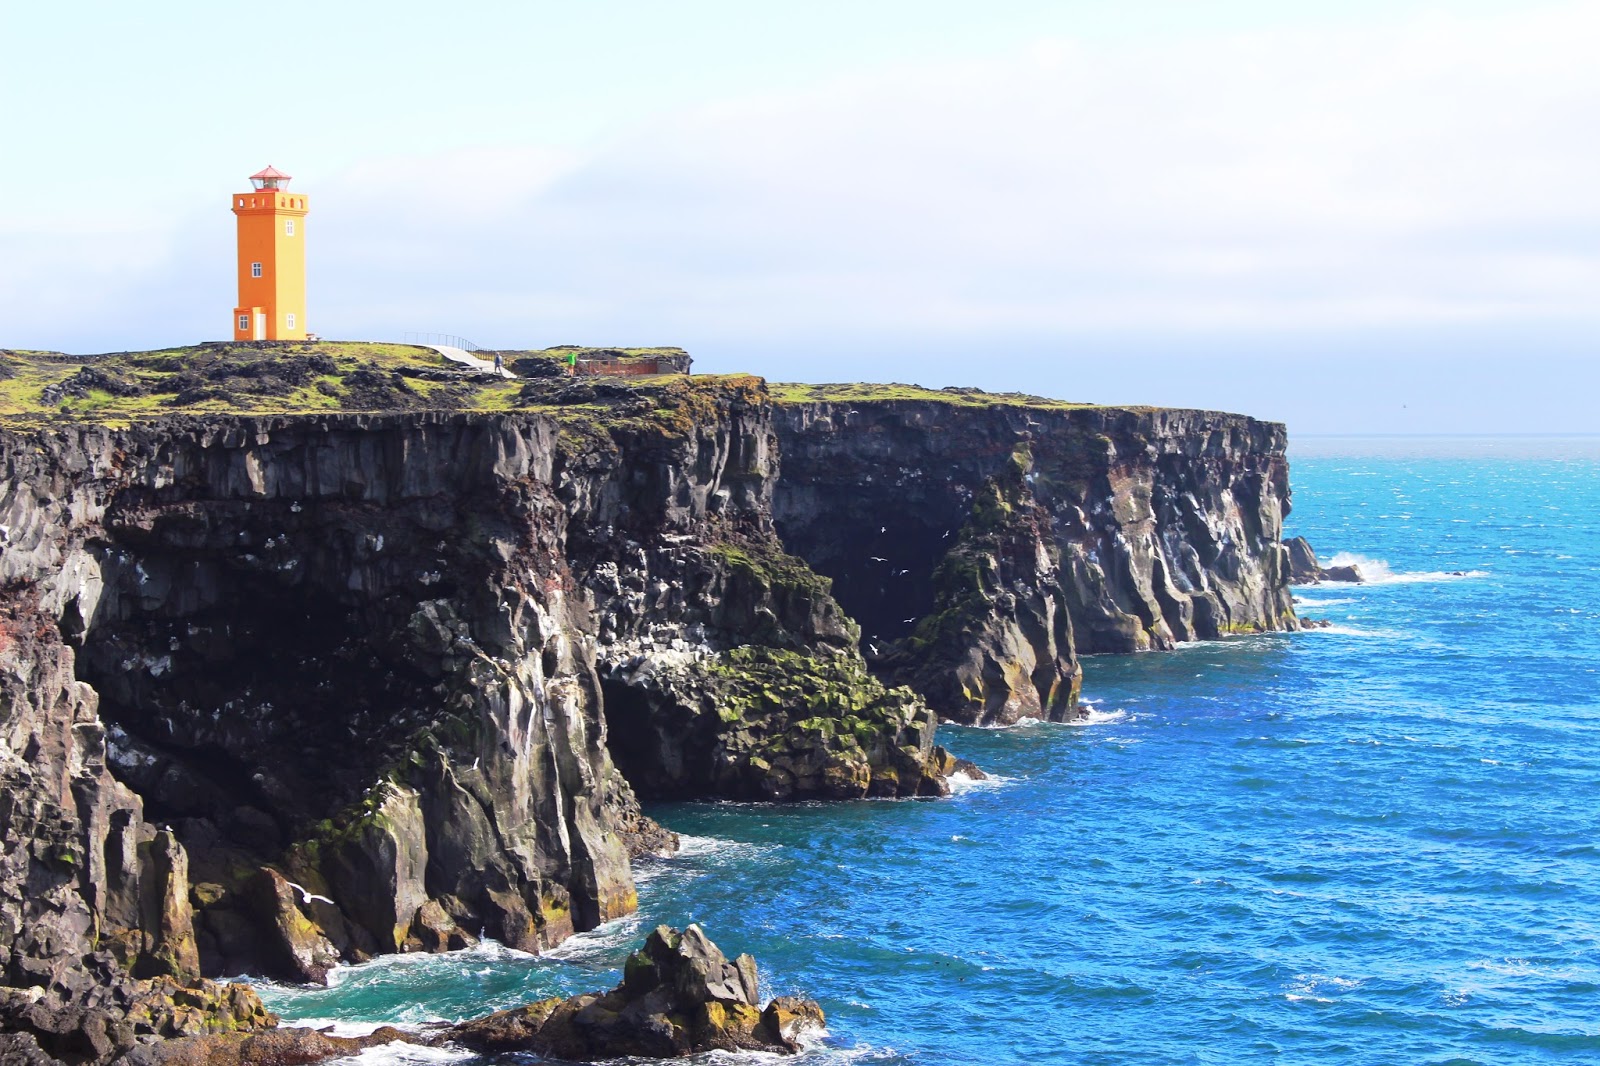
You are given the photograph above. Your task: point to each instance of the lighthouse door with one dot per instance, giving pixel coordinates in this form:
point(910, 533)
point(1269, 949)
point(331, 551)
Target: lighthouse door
point(261, 327)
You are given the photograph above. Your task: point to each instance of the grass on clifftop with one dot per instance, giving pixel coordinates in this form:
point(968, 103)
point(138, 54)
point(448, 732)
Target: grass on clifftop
point(271, 378)
point(264, 378)
point(855, 392)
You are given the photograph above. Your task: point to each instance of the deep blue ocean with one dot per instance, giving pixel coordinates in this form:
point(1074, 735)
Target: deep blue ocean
point(1377, 843)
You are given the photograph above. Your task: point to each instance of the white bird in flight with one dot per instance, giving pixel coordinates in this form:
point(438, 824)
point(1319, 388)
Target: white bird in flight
point(307, 897)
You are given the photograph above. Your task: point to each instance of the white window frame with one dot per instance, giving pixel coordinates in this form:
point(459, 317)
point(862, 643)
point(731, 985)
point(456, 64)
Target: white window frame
point(255, 270)
point(288, 320)
point(288, 227)
point(244, 323)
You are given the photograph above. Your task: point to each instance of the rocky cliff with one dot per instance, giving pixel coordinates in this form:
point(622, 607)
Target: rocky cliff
point(281, 691)
point(285, 691)
point(984, 542)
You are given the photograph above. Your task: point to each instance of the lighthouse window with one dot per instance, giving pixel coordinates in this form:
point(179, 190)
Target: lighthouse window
point(244, 323)
point(255, 270)
point(288, 227)
point(288, 320)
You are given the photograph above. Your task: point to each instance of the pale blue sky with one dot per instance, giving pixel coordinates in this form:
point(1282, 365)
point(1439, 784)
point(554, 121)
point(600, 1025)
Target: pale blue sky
point(1354, 216)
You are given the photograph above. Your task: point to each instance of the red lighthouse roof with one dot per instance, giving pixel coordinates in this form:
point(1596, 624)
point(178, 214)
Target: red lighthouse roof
point(270, 178)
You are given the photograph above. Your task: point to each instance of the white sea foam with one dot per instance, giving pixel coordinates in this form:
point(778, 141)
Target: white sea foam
point(395, 1053)
point(1093, 716)
point(1096, 716)
point(1317, 987)
point(1377, 572)
point(1336, 601)
point(1350, 631)
point(485, 951)
point(337, 1026)
point(403, 1054)
point(601, 940)
point(961, 783)
point(693, 847)
point(696, 849)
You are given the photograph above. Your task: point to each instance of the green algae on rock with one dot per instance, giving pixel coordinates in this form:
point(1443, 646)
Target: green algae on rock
point(771, 724)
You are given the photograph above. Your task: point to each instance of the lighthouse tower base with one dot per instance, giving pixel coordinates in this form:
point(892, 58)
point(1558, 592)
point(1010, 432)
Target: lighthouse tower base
point(250, 324)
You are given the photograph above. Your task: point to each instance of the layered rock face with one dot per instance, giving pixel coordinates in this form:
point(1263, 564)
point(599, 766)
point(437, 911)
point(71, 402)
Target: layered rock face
point(728, 667)
point(982, 547)
point(286, 691)
point(338, 659)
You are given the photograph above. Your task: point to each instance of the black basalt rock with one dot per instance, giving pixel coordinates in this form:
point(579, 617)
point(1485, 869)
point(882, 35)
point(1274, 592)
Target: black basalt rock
point(679, 996)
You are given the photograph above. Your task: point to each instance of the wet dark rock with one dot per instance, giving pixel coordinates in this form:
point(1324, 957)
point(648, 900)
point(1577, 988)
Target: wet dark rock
point(274, 1047)
point(1350, 575)
point(91, 1012)
point(434, 930)
point(297, 948)
point(1305, 570)
point(679, 996)
point(1303, 566)
point(641, 835)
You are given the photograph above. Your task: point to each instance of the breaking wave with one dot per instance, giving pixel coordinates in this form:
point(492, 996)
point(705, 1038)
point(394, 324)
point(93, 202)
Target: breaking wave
point(1377, 572)
point(960, 782)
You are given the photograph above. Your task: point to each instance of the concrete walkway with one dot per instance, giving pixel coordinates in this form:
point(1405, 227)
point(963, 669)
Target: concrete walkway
point(466, 359)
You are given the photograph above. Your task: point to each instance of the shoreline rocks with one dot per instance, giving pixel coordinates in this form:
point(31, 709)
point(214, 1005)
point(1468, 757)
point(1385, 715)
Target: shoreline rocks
point(679, 996)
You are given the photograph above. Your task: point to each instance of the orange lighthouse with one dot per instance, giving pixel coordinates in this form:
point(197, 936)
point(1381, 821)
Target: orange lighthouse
point(272, 260)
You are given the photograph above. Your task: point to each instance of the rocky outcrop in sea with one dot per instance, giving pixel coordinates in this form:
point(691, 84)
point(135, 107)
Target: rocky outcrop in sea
point(1304, 569)
point(679, 996)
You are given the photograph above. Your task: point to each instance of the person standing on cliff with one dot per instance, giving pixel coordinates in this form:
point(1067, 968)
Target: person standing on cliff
point(572, 365)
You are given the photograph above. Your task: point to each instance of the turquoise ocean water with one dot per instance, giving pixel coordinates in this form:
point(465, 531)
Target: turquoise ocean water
point(1375, 843)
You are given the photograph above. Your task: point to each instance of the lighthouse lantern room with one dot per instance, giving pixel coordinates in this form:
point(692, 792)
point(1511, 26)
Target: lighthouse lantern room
point(272, 260)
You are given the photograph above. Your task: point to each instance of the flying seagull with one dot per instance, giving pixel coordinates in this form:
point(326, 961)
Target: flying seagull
point(307, 897)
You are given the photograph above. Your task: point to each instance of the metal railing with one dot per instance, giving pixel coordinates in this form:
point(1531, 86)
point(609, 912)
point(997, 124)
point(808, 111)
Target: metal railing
point(448, 340)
